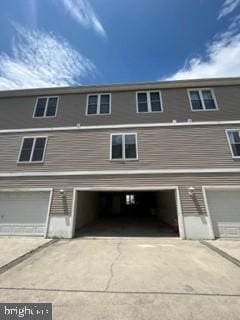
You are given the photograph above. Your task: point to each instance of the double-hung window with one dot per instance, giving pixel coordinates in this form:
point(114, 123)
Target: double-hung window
point(234, 141)
point(32, 149)
point(46, 107)
point(149, 101)
point(124, 146)
point(98, 104)
point(202, 99)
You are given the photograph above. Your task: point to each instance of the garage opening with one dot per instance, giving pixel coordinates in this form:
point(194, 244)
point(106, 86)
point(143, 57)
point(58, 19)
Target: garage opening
point(130, 213)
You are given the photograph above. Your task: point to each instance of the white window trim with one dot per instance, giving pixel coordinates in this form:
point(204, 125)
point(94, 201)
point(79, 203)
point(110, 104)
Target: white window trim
point(229, 142)
point(149, 106)
point(123, 146)
point(98, 104)
point(46, 105)
point(33, 147)
point(202, 100)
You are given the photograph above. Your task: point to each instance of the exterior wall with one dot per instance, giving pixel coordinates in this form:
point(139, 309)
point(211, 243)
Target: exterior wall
point(158, 148)
point(188, 147)
point(16, 112)
point(195, 218)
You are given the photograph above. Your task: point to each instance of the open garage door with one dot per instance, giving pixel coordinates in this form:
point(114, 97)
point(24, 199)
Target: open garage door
point(224, 209)
point(24, 212)
point(126, 213)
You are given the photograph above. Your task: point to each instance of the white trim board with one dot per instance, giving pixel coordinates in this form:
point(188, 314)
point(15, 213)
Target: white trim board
point(117, 172)
point(123, 126)
point(160, 188)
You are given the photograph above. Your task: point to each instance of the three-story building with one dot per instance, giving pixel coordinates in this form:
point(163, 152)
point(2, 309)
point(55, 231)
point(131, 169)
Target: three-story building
point(164, 150)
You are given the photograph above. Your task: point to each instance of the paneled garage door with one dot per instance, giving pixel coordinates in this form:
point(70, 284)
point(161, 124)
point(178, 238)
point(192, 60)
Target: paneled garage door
point(23, 212)
point(224, 209)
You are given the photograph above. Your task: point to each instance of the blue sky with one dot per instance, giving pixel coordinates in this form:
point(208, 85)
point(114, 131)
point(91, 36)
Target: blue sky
point(69, 42)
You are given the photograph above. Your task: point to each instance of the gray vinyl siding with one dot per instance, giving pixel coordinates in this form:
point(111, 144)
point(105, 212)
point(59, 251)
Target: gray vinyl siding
point(16, 112)
point(190, 206)
point(158, 148)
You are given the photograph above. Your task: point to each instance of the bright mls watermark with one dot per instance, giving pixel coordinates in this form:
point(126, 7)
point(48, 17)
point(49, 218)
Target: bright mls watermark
point(26, 311)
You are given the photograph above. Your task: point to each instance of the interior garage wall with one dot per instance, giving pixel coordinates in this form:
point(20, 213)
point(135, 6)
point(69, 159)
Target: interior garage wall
point(88, 204)
point(166, 207)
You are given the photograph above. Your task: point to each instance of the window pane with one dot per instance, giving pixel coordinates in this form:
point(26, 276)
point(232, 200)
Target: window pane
point(105, 103)
point(156, 106)
point(52, 105)
point(39, 149)
point(196, 100)
point(155, 96)
point(142, 97)
point(104, 108)
point(26, 149)
point(234, 137)
point(142, 107)
point(92, 109)
point(197, 105)
point(41, 103)
point(130, 146)
point(195, 95)
point(105, 98)
point(236, 149)
point(207, 94)
point(142, 102)
point(92, 99)
point(117, 147)
point(92, 104)
point(208, 99)
point(155, 101)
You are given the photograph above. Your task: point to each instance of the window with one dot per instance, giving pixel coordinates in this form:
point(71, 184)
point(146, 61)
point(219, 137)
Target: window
point(99, 104)
point(32, 149)
point(149, 101)
point(234, 140)
point(130, 199)
point(123, 147)
point(202, 99)
point(46, 107)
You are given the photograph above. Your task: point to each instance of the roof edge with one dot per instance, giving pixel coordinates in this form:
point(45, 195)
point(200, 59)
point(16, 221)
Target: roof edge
point(132, 86)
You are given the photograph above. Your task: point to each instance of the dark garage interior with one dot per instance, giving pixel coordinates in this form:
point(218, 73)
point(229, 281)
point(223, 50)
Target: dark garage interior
point(130, 213)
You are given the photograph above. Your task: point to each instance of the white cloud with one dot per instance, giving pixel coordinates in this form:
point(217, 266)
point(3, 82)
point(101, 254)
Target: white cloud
point(83, 13)
point(221, 60)
point(228, 7)
point(41, 60)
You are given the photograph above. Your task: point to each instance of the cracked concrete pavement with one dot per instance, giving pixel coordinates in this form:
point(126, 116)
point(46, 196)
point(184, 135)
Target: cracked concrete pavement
point(135, 278)
point(112, 266)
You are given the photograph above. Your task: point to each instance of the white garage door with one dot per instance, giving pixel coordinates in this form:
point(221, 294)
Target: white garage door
point(23, 213)
point(224, 209)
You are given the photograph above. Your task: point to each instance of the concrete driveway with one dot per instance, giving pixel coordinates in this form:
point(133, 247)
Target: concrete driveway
point(13, 248)
point(135, 278)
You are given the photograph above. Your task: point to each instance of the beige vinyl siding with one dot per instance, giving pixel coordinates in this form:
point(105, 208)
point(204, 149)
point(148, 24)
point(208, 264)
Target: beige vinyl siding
point(158, 148)
point(16, 112)
point(190, 206)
